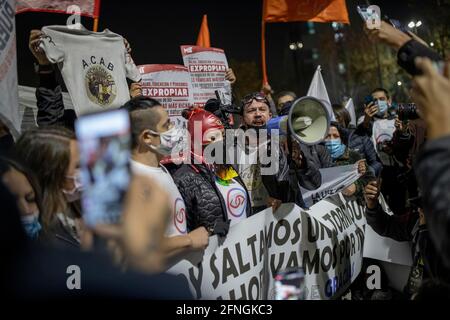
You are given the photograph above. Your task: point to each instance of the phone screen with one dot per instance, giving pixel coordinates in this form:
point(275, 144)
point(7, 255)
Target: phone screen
point(367, 14)
point(104, 142)
point(290, 285)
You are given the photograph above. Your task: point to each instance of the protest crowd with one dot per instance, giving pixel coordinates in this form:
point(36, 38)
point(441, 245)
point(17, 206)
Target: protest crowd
point(134, 200)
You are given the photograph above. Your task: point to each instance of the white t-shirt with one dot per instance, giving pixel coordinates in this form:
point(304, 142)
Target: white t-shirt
point(177, 225)
point(94, 66)
point(235, 199)
point(383, 131)
point(250, 172)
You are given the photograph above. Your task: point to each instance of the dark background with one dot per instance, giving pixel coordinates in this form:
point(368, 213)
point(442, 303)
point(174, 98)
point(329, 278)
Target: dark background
point(156, 29)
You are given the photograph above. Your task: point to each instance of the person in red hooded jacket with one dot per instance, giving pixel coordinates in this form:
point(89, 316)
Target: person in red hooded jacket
point(214, 194)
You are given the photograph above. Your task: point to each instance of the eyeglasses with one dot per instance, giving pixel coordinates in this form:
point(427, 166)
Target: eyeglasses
point(255, 96)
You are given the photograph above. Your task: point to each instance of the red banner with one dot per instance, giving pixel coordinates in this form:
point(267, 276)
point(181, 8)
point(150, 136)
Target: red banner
point(89, 8)
point(305, 10)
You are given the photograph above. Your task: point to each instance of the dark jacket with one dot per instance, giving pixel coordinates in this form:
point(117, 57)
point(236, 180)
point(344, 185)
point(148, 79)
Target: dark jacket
point(285, 184)
point(433, 175)
point(318, 155)
point(205, 205)
point(358, 141)
point(406, 228)
point(50, 104)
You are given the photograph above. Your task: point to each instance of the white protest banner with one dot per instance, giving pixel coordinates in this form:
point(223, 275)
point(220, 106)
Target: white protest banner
point(170, 84)
point(334, 180)
point(207, 67)
point(326, 241)
point(9, 104)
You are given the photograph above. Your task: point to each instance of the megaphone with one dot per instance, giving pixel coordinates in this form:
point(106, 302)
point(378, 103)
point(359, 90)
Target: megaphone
point(308, 121)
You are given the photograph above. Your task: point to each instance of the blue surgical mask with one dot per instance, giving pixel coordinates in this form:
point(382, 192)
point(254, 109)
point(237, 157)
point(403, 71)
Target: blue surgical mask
point(382, 107)
point(335, 147)
point(31, 225)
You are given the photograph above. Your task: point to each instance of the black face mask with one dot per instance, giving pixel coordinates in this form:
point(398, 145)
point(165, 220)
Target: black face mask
point(6, 143)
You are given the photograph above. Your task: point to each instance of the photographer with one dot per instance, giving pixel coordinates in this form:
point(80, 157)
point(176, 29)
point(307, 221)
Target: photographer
point(409, 226)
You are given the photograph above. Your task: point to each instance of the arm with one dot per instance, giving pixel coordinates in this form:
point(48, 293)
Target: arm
point(395, 227)
point(196, 240)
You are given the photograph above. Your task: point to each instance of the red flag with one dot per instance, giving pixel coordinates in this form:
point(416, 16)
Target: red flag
point(305, 10)
point(203, 36)
point(89, 8)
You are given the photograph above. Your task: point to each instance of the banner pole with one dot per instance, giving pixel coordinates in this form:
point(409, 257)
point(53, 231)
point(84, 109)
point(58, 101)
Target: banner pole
point(263, 46)
point(95, 25)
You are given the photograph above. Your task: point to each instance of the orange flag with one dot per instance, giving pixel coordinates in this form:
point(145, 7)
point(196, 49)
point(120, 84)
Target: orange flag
point(305, 10)
point(203, 36)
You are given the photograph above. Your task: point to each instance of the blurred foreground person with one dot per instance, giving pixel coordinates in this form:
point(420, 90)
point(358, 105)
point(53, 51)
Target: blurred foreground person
point(32, 271)
point(23, 186)
point(52, 155)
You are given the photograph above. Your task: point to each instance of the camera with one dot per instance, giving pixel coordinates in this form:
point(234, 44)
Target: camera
point(221, 109)
point(407, 111)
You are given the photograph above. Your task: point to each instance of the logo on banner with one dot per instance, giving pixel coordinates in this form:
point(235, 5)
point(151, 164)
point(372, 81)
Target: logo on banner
point(179, 217)
point(236, 203)
point(100, 85)
point(188, 50)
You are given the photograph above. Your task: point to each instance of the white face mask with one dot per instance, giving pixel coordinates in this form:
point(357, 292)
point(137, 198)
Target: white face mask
point(75, 193)
point(170, 139)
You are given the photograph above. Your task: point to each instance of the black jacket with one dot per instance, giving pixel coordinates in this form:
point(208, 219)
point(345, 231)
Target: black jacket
point(285, 184)
point(406, 228)
point(50, 104)
point(433, 175)
point(205, 205)
point(358, 141)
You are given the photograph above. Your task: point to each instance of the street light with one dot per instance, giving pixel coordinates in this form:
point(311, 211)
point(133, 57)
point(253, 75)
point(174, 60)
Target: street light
point(399, 83)
point(411, 25)
point(293, 46)
point(431, 44)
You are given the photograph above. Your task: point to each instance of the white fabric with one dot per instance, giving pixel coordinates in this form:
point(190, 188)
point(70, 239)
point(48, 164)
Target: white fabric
point(177, 225)
point(94, 66)
point(317, 89)
point(350, 107)
point(235, 200)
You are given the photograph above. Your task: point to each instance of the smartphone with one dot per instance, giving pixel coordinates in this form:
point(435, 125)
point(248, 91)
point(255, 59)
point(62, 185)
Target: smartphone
point(104, 143)
point(397, 25)
point(369, 99)
point(363, 12)
point(290, 285)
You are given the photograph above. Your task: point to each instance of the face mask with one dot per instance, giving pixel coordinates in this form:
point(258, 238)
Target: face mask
point(31, 225)
point(169, 140)
point(75, 193)
point(335, 147)
point(382, 106)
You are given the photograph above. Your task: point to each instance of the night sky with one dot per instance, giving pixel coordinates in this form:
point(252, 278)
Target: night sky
point(155, 30)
